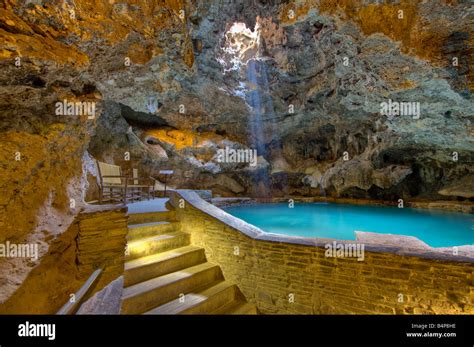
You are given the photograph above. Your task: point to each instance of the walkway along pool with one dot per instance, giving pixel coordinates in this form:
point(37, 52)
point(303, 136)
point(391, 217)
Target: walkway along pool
point(339, 221)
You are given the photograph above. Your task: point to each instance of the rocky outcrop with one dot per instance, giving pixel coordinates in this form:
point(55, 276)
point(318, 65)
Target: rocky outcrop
point(463, 187)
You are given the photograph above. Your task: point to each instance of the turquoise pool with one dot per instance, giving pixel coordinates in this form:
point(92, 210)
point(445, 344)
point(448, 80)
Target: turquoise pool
point(338, 221)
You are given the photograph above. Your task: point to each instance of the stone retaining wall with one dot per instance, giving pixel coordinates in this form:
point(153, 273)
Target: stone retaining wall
point(100, 243)
point(292, 275)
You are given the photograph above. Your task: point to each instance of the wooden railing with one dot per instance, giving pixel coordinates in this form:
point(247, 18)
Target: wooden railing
point(81, 295)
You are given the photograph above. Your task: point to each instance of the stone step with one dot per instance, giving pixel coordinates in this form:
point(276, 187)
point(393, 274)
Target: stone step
point(155, 244)
point(200, 302)
point(136, 231)
point(148, 217)
point(145, 268)
point(144, 296)
point(238, 307)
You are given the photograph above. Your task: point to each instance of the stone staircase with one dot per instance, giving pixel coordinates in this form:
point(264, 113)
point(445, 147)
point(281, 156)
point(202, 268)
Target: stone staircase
point(165, 274)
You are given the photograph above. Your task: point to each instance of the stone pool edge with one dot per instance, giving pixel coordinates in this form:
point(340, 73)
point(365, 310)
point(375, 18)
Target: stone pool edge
point(381, 243)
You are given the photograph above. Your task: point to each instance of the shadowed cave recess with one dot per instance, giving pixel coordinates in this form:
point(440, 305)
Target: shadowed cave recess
point(173, 83)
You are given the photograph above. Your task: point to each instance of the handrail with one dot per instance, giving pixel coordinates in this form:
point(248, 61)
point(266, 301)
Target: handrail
point(80, 295)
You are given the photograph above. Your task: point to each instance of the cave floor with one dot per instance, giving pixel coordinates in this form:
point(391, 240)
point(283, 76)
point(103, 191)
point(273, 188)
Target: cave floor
point(153, 205)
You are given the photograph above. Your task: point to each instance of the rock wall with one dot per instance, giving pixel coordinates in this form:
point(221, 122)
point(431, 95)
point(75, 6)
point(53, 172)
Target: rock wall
point(291, 278)
point(54, 51)
point(100, 243)
point(307, 94)
point(163, 67)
